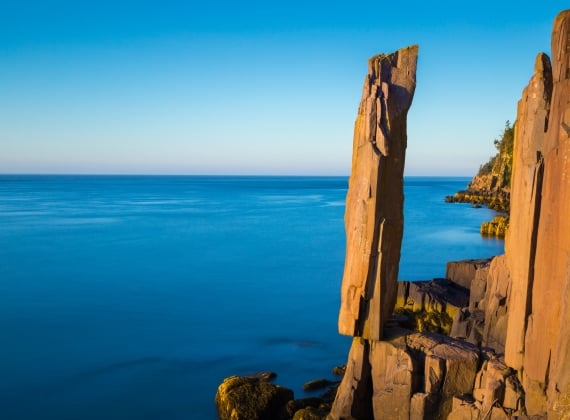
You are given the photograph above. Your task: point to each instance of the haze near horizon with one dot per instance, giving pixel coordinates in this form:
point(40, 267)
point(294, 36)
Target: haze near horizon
point(252, 87)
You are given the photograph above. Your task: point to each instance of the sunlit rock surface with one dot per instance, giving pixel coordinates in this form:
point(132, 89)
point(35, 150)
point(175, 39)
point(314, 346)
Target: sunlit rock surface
point(374, 205)
point(492, 340)
point(546, 360)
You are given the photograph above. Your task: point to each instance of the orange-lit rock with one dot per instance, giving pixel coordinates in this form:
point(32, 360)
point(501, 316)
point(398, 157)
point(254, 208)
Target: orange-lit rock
point(528, 170)
point(374, 204)
point(547, 341)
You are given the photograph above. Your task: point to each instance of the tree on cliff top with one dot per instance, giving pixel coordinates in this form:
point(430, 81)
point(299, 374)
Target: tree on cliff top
point(502, 162)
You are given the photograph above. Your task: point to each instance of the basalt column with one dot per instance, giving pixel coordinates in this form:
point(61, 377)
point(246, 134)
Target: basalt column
point(546, 364)
point(526, 193)
point(374, 204)
point(374, 225)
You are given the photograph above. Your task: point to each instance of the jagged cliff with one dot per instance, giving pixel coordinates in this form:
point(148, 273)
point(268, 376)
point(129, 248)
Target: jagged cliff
point(494, 177)
point(492, 340)
point(538, 243)
point(491, 186)
point(508, 350)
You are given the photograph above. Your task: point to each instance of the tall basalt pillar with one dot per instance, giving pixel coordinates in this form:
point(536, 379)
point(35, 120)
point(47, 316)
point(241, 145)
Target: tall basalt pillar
point(526, 190)
point(547, 340)
point(374, 223)
point(374, 205)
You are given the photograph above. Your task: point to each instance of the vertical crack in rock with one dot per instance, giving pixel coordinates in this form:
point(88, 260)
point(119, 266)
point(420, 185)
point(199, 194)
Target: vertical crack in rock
point(537, 198)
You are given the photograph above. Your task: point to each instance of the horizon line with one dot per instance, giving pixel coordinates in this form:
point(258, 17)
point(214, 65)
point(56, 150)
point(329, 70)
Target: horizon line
point(213, 175)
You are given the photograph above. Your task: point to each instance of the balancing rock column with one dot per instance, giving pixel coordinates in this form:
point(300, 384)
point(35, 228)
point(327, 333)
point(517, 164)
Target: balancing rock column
point(374, 218)
point(374, 226)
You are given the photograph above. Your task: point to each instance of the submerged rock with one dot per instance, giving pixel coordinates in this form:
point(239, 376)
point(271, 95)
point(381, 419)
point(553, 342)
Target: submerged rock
point(317, 384)
point(339, 370)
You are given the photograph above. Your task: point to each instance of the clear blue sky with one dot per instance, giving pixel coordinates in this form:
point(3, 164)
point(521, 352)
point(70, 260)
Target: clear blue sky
point(247, 87)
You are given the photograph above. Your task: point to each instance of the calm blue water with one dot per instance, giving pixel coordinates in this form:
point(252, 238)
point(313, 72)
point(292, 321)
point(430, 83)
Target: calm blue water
point(133, 297)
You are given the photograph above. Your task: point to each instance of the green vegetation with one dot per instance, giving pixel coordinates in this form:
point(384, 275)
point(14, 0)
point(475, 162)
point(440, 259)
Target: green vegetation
point(496, 227)
point(491, 186)
point(487, 168)
point(502, 162)
point(432, 321)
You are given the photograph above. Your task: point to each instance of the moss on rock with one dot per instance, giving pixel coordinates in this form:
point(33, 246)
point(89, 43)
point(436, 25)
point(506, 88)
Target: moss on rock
point(427, 321)
point(496, 227)
point(311, 413)
point(251, 398)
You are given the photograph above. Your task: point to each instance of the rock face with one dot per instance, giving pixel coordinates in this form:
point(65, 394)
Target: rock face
point(546, 355)
point(491, 183)
point(412, 375)
point(525, 308)
point(521, 241)
point(519, 303)
point(492, 341)
point(464, 272)
point(374, 204)
point(429, 375)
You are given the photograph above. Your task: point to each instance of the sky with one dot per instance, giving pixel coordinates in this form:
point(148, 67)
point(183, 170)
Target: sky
point(253, 87)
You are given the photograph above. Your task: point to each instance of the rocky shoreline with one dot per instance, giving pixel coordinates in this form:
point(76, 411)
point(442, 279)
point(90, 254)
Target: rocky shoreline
point(495, 200)
point(491, 187)
point(483, 191)
point(436, 342)
point(489, 341)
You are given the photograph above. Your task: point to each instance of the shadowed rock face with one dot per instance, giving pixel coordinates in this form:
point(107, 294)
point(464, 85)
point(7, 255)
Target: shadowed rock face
point(374, 204)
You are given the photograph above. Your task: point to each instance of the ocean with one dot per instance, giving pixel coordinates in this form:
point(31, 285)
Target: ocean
point(134, 296)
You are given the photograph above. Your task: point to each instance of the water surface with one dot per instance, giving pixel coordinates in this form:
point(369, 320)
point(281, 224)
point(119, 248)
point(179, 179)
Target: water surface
point(133, 297)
